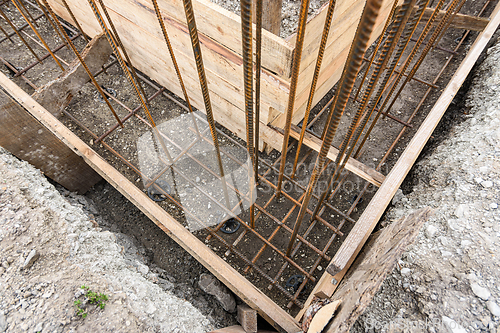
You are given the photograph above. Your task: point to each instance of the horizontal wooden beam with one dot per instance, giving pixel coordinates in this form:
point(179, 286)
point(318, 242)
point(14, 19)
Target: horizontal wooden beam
point(217, 266)
point(354, 166)
point(460, 21)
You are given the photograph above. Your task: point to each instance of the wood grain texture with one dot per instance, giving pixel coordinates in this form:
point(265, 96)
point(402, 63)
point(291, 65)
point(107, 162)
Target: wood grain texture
point(217, 266)
point(271, 15)
point(354, 166)
point(459, 21)
point(375, 262)
point(27, 139)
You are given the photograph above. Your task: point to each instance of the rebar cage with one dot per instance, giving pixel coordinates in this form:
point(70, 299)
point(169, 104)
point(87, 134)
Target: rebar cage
point(279, 218)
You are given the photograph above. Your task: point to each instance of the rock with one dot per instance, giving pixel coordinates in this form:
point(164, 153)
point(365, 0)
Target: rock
point(480, 292)
point(212, 286)
point(494, 308)
point(30, 259)
point(493, 205)
point(165, 284)
point(143, 269)
point(398, 196)
point(3, 322)
point(405, 271)
point(487, 184)
point(38, 327)
point(431, 231)
point(452, 326)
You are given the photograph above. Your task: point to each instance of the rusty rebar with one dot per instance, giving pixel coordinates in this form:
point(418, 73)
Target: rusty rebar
point(19, 34)
point(195, 43)
point(258, 68)
point(356, 128)
point(89, 73)
point(314, 82)
point(176, 67)
point(297, 57)
point(75, 21)
point(35, 30)
point(353, 63)
point(247, 50)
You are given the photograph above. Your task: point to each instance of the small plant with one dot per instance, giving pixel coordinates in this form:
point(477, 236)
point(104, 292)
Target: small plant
point(97, 299)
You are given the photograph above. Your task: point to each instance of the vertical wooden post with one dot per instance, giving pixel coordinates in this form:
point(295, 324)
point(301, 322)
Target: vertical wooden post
point(271, 15)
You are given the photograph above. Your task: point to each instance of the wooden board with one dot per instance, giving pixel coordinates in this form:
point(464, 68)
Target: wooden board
point(27, 139)
point(459, 21)
point(217, 266)
point(372, 213)
point(356, 167)
point(375, 262)
point(142, 37)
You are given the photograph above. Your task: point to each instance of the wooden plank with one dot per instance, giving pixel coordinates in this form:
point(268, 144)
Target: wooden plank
point(149, 53)
point(459, 21)
point(329, 75)
point(356, 167)
point(237, 329)
point(229, 276)
point(271, 15)
point(27, 139)
point(358, 235)
point(375, 262)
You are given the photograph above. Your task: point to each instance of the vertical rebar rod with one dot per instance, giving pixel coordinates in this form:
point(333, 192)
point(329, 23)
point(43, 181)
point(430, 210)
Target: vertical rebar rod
point(195, 43)
point(379, 42)
point(246, 39)
point(428, 46)
point(176, 67)
point(356, 129)
point(19, 34)
point(304, 6)
point(258, 67)
point(51, 23)
point(38, 34)
point(75, 21)
point(317, 68)
point(89, 73)
point(27, 12)
point(353, 63)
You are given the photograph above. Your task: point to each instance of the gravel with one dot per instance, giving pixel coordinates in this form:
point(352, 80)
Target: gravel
point(49, 248)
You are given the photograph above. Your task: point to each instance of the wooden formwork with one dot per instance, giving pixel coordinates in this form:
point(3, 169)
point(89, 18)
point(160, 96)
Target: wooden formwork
point(220, 36)
point(350, 248)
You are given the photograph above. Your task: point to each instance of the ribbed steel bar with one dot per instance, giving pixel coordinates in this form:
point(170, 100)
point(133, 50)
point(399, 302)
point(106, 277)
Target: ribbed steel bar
point(130, 69)
point(408, 60)
point(195, 43)
point(353, 64)
point(379, 42)
point(18, 34)
point(45, 56)
point(130, 74)
point(258, 67)
point(14, 70)
point(174, 62)
point(47, 16)
point(89, 73)
point(356, 129)
point(179, 205)
point(297, 57)
point(424, 53)
point(35, 30)
point(246, 38)
point(314, 82)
